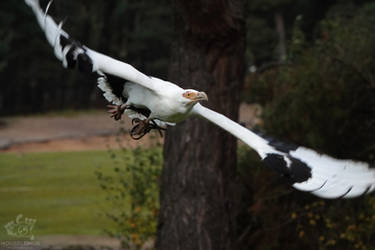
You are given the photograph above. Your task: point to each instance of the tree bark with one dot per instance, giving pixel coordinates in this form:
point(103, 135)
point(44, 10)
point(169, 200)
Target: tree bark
point(199, 170)
point(280, 29)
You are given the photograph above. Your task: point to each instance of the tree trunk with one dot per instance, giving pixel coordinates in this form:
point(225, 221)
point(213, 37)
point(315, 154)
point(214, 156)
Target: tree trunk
point(197, 191)
point(280, 29)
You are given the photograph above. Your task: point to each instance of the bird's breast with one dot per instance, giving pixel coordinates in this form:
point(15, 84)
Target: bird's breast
point(170, 112)
point(162, 107)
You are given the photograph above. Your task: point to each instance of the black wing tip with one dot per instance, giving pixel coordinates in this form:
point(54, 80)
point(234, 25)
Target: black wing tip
point(76, 59)
point(85, 63)
point(297, 172)
point(64, 41)
point(281, 146)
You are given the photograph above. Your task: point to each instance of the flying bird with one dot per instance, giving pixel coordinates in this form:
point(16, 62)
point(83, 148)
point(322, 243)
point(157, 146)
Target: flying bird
point(153, 103)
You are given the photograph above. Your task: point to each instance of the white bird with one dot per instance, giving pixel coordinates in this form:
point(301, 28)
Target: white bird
point(157, 103)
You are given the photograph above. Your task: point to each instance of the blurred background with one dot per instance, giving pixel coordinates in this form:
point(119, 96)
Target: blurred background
point(310, 80)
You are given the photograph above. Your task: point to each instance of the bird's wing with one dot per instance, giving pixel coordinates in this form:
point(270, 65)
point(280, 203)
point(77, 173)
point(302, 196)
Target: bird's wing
point(73, 54)
point(307, 170)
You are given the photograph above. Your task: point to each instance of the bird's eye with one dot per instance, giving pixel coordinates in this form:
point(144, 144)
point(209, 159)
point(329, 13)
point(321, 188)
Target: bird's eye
point(189, 94)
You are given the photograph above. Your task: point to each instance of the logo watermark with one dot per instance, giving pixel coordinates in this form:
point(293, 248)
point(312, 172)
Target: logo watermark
point(21, 228)
point(19, 245)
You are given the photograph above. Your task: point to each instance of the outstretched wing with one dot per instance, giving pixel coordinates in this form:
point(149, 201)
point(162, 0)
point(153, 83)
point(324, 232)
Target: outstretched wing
point(73, 54)
point(307, 170)
point(112, 74)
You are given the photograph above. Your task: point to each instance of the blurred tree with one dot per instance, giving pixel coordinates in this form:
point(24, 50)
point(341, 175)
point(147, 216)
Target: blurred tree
point(270, 25)
point(139, 32)
point(333, 80)
point(197, 195)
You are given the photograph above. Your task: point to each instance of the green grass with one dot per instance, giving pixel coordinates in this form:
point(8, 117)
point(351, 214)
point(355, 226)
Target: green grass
point(59, 190)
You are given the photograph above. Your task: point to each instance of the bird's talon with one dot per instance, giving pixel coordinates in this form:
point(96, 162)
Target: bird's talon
point(136, 121)
point(142, 127)
point(115, 111)
point(134, 129)
point(137, 138)
point(138, 132)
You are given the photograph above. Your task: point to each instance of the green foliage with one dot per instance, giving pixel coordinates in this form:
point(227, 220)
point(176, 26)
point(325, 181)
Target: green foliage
point(262, 36)
point(261, 46)
point(337, 224)
point(269, 5)
point(133, 189)
point(326, 98)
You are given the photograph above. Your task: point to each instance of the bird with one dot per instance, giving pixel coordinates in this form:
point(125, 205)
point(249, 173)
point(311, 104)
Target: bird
point(154, 103)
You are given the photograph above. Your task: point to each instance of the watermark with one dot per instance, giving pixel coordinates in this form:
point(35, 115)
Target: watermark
point(22, 229)
point(19, 244)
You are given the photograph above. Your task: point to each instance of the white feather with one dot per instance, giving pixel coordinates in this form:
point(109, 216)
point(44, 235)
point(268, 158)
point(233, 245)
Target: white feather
point(108, 92)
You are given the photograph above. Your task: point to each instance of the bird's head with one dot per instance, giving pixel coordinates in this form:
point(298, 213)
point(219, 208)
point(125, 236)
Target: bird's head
point(191, 96)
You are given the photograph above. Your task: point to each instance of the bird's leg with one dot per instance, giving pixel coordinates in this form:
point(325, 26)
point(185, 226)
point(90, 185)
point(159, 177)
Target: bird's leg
point(143, 127)
point(155, 126)
point(140, 129)
point(117, 110)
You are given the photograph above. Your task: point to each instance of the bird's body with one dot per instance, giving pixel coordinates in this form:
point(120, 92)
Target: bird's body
point(163, 103)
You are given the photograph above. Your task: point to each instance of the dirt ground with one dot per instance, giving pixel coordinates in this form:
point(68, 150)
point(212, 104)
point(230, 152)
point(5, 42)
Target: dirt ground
point(100, 242)
point(92, 131)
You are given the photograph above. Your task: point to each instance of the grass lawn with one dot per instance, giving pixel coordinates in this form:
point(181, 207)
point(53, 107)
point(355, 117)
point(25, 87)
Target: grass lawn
point(59, 190)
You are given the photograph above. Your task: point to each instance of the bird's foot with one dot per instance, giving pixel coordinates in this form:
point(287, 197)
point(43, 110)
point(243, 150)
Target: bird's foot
point(116, 111)
point(142, 127)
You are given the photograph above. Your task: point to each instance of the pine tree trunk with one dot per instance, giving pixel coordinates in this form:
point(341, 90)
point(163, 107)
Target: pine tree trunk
point(197, 191)
point(280, 29)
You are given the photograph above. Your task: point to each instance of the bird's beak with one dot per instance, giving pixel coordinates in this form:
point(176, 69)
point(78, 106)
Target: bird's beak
point(201, 96)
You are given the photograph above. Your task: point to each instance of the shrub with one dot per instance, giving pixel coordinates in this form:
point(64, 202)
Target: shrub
point(133, 189)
